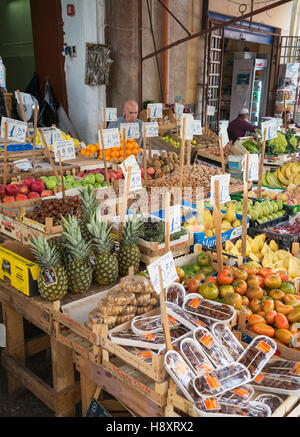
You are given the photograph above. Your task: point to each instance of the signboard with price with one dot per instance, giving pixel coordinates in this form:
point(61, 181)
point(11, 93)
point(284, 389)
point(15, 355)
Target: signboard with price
point(155, 110)
point(197, 128)
point(132, 130)
point(211, 110)
point(189, 126)
point(253, 167)
point(52, 136)
point(271, 128)
point(179, 108)
point(224, 180)
point(111, 114)
point(111, 138)
point(168, 269)
point(151, 129)
point(16, 129)
point(136, 177)
point(130, 162)
point(67, 150)
point(224, 135)
point(175, 218)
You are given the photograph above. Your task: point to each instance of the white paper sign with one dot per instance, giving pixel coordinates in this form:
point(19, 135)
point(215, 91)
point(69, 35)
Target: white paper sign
point(130, 162)
point(179, 108)
point(168, 270)
point(132, 130)
point(197, 128)
point(23, 164)
point(135, 180)
point(111, 138)
point(155, 110)
point(67, 150)
point(16, 129)
point(271, 128)
point(111, 114)
point(253, 167)
point(175, 218)
point(223, 123)
point(189, 126)
point(52, 136)
point(224, 180)
point(211, 110)
point(151, 129)
point(26, 98)
point(224, 135)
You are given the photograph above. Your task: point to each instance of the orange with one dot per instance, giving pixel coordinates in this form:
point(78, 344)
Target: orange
point(130, 140)
point(128, 152)
point(134, 144)
point(140, 149)
point(129, 146)
point(82, 151)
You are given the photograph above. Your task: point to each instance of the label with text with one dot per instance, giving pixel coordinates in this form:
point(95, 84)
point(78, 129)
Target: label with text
point(16, 129)
point(168, 271)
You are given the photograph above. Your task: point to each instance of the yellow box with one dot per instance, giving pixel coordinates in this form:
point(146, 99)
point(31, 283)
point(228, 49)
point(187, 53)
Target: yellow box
point(18, 266)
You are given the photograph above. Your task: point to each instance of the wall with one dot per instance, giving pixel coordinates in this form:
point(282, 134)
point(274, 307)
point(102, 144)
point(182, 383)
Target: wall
point(84, 101)
point(16, 47)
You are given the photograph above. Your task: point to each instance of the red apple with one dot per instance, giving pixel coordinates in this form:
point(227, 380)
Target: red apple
point(8, 199)
point(81, 174)
point(28, 181)
point(21, 197)
point(33, 195)
point(38, 186)
point(150, 171)
point(12, 189)
point(24, 189)
point(46, 193)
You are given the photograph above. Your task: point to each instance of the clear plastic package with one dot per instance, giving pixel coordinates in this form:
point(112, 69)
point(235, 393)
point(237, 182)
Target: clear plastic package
point(125, 318)
point(129, 338)
point(213, 407)
point(117, 297)
point(128, 309)
point(227, 339)
point(282, 367)
point(257, 354)
point(271, 400)
point(281, 384)
point(150, 325)
point(218, 381)
point(189, 320)
point(141, 354)
point(195, 357)
point(176, 343)
point(109, 309)
point(143, 309)
point(97, 319)
point(181, 374)
point(143, 299)
point(175, 293)
point(238, 394)
point(153, 301)
point(212, 348)
point(209, 309)
point(136, 284)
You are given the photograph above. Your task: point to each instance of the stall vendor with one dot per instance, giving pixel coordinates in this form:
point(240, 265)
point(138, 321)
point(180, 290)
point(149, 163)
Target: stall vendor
point(130, 113)
point(237, 128)
point(287, 116)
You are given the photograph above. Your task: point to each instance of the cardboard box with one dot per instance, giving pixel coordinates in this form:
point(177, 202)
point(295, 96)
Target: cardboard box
point(18, 266)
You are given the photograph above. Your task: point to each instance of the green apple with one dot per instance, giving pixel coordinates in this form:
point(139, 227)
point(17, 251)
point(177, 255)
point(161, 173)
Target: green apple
point(51, 184)
point(97, 185)
point(99, 178)
point(52, 178)
point(84, 183)
point(44, 178)
point(76, 184)
point(90, 179)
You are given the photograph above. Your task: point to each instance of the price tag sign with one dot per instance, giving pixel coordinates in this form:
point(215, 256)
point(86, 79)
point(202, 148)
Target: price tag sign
point(155, 110)
point(224, 180)
point(26, 98)
point(151, 129)
point(16, 129)
point(130, 162)
point(175, 218)
point(224, 135)
point(253, 167)
point(223, 123)
point(168, 270)
point(67, 150)
point(197, 128)
point(52, 136)
point(2, 78)
point(132, 130)
point(189, 126)
point(111, 138)
point(136, 179)
point(179, 108)
point(111, 114)
point(271, 128)
point(211, 111)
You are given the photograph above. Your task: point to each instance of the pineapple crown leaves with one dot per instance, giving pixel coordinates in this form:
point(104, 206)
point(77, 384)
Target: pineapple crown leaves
point(133, 229)
point(102, 241)
point(46, 254)
point(75, 244)
point(89, 202)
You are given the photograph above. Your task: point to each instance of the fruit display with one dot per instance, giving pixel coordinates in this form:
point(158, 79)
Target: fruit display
point(261, 212)
point(177, 142)
point(284, 143)
point(64, 137)
point(163, 163)
point(129, 254)
point(29, 188)
point(290, 228)
point(155, 231)
point(131, 148)
point(283, 176)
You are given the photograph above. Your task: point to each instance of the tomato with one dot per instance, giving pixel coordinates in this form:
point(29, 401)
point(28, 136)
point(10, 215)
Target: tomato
point(284, 335)
point(287, 287)
point(262, 329)
point(284, 309)
point(255, 318)
point(203, 259)
point(180, 272)
point(255, 293)
point(290, 299)
point(240, 286)
point(245, 301)
point(268, 305)
point(248, 312)
point(255, 305)
point(253, 281)
point(233, 299)
point(273, 281)
point(261, 281)
point(225, 289)
point(208, 291)
point(265, 271)
point(283, 275)
point(211, 279)
point(239, 274)
point(200, 276)
point(193, 285)
point(276, 294)
point(270, 317)
point(249, 268)
point(294, 316)
point(281, 322)
point(225, 277)
point(262, 314)
point(265, 297)
point(207, 270)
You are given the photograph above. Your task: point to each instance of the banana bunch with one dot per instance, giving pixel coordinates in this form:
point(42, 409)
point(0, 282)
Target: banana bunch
point(288, 174)
point(64, 137)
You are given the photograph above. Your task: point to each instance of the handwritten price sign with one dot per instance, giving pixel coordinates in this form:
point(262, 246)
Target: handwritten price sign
point(67, 150)
point(130, 162)
point(223, 134)
point(132, 130)
point(151, 129)
point(189, 126)
point(211, 110)
point(179, 108)
point(111, 114)
point(271, 128)
point(253, 167)
point(224, 180)
point(52, 136)
point(175, 218)
point(136, 180)
point(197, 128)
point(111, 138)
point(16, 129)
point(168, 269)
point(155, 110)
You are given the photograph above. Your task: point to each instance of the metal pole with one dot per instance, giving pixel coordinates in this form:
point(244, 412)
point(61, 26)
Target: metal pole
point(175, 18)
point(140, 32)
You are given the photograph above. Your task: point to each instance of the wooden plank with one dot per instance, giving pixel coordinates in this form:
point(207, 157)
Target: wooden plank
point(36, 345)
point(88, 389)
point(295, 412)
point(286, 406)
point(76, 327)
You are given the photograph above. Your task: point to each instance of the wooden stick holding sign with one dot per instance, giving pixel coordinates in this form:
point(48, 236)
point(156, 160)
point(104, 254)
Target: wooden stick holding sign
point(5, 153)
point(61, 175)
point(125, 202)
point(103, 154)
point(217, 217)
point(189, 151)
point(284, 114)
point(145, 156)
point(222, 154)
point(124, 144)
point(206, 124)
point(149, 148)
point(46, 150)
point(261, 164)
point(22, 111)
point(245, 208)
point(36, 111)
point(104, 119)
point(182, 153)
point(167, 222)
point(164, 315)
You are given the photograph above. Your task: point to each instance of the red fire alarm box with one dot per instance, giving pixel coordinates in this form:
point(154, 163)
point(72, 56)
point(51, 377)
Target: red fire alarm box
point(70, 10)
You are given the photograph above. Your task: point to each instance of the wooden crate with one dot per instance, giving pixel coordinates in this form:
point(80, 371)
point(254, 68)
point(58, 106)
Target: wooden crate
point(10, 227)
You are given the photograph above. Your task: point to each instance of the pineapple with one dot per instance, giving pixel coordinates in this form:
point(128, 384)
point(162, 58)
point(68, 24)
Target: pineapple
point(88, 206)
point(52, 280)
point(79, 269)
point(129, 254)
point(106, 268)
